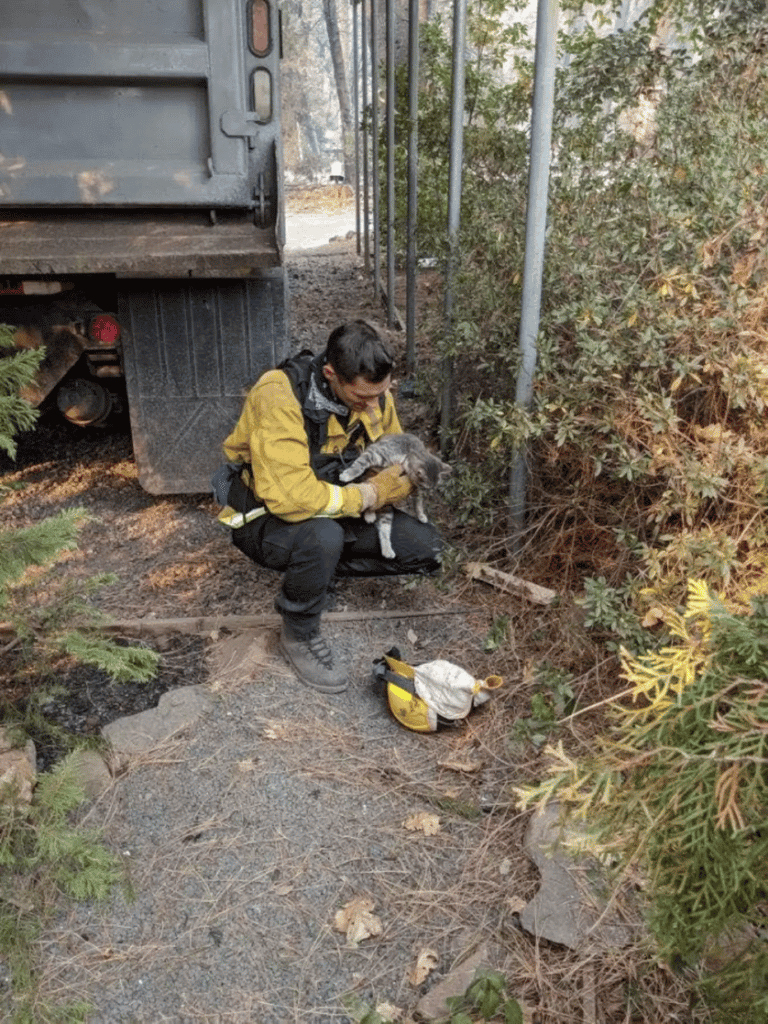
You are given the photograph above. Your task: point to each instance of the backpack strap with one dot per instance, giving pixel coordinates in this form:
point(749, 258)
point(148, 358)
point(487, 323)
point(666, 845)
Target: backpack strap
point(299, 370)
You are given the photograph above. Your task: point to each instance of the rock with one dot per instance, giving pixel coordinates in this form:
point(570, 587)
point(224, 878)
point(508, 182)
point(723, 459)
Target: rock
point(178, 709)
point(239, 659)
point(433, 1005)
point(17, 769)
point(570, 906)
point(91, 772)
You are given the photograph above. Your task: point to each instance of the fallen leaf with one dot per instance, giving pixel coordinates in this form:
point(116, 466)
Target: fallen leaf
point(283, 890)
point(424, 822)
point(389, 1012)
point(5, 102)
point(459, 764)
point(516, 905)
point(275, 731)
point(356, 920)
point(652, 617)
point(248, 765)
point(412, 637)
point(426, 962)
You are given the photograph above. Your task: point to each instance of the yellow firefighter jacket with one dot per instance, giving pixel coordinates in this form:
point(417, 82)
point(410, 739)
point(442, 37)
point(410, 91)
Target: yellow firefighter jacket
point(271, 436)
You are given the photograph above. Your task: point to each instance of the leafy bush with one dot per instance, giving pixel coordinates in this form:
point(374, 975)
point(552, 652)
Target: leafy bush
point(42, 855)
point(650, 395)
point(677, 789)
point(51, 616)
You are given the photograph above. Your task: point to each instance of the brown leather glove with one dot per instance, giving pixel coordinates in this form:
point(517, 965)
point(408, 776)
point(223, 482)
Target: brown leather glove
point(391, 484)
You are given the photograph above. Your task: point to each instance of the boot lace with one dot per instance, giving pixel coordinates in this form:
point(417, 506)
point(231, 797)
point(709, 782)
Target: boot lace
point(318, 647)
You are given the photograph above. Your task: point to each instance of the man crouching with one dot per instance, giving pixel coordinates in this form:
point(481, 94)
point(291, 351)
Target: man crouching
point(301, 424)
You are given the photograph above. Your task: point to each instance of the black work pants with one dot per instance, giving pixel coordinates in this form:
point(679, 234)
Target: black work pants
point(312, 552)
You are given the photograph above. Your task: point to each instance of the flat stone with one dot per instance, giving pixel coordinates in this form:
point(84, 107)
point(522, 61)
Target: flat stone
point(570, 906)
point(239, 659)
point(176, 710)
point(18, 769)
point(91, 773)
point(433, 1005)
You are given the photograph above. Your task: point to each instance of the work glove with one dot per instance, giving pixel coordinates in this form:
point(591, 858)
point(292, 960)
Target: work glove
point(391, 485)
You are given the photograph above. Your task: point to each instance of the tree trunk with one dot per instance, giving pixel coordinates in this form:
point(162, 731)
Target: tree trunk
point(342, 88)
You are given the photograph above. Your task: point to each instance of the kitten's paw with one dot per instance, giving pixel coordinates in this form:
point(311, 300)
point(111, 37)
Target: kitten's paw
point(388, 552)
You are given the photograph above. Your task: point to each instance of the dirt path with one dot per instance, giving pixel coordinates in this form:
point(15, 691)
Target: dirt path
point(245, 836)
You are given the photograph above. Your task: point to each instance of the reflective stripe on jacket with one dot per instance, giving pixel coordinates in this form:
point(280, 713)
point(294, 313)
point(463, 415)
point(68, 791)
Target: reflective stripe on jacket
point(271, 435)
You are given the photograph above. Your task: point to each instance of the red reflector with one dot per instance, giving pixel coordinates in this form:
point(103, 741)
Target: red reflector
point(104, 330)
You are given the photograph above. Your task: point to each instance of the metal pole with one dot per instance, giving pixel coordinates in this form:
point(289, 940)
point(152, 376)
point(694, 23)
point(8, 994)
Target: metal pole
point(356, 114)
point(390, 124)
point(413, 183)
point(375, 149)
point(366, 196)
point(456, 158)
point(535, 232)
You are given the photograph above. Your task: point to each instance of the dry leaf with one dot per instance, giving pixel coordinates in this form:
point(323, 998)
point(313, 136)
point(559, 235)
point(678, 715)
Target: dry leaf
point(283, 890)
point(652, 617)
point(248, 765)
point(275, 731)
point(412, 637)
point(356, 920)
point(5, 102)
point(516, 905)
point(426, 962)
point(460, 764)
point(389, 1012)
point(424, 822)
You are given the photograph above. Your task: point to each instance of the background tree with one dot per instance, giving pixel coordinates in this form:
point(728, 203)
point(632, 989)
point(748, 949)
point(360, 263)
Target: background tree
point(342, 89)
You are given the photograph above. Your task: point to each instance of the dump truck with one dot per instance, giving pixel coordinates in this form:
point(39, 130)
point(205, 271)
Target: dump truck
point(141, 215)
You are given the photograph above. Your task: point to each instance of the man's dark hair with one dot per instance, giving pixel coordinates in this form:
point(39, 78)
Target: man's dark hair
point(357, 349)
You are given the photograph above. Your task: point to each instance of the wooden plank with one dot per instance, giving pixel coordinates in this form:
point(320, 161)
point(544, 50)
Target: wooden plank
point(509, 583)
point(233, 623)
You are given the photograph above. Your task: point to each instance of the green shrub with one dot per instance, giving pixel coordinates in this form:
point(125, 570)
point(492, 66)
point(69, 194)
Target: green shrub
point(677, 790)
point(652, 383)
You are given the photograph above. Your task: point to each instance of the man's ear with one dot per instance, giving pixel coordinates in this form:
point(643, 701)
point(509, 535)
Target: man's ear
point(328, 371)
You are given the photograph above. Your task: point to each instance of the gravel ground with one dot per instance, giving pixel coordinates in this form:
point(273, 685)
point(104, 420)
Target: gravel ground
point(244, 839)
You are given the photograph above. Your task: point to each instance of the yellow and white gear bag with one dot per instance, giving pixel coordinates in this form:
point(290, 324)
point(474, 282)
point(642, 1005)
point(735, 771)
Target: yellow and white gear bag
point(425, 697)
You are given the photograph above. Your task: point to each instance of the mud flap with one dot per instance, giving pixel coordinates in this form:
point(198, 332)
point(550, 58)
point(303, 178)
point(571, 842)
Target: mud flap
point(192, 350)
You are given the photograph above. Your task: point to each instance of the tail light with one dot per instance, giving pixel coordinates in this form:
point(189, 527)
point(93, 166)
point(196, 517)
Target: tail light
point(105, 330)
point(261, 30)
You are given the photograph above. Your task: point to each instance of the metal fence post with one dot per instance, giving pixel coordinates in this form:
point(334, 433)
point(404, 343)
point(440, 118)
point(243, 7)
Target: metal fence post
point(456, 159)
point(535, 235)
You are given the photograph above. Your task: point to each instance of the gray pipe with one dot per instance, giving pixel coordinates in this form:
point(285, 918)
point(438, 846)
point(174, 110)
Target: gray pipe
point(390, 124)
point(364, 140)
point(535, 236)
point(456, 158)
point(356, 103)
point(375, 149)
point(413, 184)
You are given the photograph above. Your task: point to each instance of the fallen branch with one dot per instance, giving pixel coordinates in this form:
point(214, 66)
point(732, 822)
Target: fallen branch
point(506, 581)
point(233, 623)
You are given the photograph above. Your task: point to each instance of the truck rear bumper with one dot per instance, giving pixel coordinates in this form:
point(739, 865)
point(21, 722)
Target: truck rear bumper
point(165, 245)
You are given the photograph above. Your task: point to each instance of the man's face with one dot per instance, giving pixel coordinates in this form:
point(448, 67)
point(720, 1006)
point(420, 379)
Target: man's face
point(359, 394)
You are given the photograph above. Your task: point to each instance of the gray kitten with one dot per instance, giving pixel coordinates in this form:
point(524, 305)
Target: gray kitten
point(422, 468)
